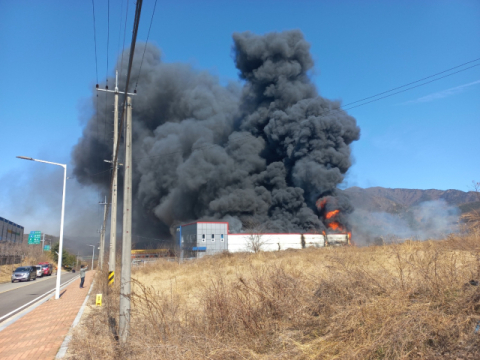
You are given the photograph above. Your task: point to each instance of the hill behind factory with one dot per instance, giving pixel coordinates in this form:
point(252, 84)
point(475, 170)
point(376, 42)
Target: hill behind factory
point(398, 200)
point(382, 213)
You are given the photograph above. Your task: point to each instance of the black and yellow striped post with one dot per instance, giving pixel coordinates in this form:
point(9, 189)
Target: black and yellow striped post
point(111, 278)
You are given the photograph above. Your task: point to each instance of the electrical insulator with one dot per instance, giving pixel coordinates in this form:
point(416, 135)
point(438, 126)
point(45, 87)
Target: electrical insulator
point(106, 87)
point(96, 86)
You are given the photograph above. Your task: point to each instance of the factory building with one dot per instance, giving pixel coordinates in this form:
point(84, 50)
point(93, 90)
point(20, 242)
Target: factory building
point(11, 232)
point(273, 242)
point(201, 238)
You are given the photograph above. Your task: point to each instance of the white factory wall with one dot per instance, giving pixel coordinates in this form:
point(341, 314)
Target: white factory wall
point(274, 242)
point(336, 239)
point(314, 240)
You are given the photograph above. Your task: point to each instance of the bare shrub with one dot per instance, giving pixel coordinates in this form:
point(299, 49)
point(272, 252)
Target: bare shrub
point(399, 301)
point(255, 240)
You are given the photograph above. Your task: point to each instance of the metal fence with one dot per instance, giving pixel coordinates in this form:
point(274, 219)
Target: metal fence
point(10, 259)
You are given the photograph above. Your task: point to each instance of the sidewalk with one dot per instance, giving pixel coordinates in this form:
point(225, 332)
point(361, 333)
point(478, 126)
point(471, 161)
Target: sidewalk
point(40, 333)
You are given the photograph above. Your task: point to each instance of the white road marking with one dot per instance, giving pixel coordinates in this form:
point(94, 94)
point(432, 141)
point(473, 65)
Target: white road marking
point(36, 299)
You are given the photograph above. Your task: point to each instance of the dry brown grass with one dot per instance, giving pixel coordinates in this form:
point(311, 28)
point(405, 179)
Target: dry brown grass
point(401, 301)
point(6, 270)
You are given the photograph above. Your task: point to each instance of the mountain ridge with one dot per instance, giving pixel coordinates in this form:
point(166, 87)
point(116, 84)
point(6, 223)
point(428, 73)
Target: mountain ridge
point(395, 200)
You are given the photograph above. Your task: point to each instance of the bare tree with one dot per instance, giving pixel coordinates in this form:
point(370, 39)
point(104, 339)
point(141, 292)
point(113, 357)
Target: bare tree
point(476, 188)
point(256, 230)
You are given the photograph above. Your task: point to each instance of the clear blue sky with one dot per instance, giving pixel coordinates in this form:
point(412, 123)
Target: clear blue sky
point(423, 138)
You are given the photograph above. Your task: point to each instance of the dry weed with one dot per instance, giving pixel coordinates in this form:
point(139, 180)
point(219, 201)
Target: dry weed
point(402, 301)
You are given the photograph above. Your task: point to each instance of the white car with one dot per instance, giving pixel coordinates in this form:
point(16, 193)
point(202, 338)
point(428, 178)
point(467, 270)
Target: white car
point(39, 270)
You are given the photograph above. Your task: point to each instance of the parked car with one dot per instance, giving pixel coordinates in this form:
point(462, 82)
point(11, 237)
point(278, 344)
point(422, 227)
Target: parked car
point(47, 268)
point(24, 273)
point(39, 270)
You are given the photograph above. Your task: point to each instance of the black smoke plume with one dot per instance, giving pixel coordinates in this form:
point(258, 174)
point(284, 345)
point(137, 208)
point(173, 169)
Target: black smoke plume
point(266, 150)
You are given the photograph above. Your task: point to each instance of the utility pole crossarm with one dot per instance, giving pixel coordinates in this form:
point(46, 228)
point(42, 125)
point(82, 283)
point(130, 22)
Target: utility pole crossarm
point(116, 92)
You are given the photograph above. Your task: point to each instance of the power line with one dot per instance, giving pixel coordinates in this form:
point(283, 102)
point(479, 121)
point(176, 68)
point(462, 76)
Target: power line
point(149, 238)
point(96, 65)
point(136, 23)
point(100, 172)
point(413, 82)
point(124, 34)
point(108, 37)
point(145, 49)
point(120, 29)
point(410, 88)
point(106, 86)
point(241, 137)
point(95, 40)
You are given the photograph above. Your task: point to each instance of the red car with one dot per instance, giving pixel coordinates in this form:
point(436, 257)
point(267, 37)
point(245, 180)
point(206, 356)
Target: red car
point(47, 269)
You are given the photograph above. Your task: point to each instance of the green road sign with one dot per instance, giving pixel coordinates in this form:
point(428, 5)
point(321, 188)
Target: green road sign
point(34, 238)
point(46, 248)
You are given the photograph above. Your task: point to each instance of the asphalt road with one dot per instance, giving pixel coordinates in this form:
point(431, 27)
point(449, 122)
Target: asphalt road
point(22, 293)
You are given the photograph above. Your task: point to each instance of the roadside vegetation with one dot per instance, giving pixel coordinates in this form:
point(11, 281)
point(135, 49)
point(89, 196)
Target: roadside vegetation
point(24, 255)
point(414, 300)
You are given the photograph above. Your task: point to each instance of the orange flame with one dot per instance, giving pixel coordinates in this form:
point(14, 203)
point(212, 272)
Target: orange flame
point(331, 214)
point(334, 226)
point(324, 233)
point(321, 203)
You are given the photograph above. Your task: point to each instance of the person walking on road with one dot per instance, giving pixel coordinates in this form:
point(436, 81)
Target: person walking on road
point(83, 269)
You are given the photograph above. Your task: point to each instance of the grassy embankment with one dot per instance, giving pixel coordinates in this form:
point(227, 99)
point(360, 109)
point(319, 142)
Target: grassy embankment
point(400, 301)
point(6, 270)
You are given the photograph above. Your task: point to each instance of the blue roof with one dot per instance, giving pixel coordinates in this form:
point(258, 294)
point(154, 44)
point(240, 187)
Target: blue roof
point(10, 222)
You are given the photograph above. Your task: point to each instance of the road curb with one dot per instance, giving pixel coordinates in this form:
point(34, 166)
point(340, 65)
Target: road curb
point(64, 347)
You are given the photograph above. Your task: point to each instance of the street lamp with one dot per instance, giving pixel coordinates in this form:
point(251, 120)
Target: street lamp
point(60, 246)
point(93, 256)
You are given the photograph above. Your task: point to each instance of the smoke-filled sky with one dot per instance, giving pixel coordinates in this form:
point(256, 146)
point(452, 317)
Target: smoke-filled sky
point(266, 150)
point(423, 138)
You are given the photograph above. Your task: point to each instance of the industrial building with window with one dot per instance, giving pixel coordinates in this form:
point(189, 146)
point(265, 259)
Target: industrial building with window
point(201, 238)
point(11, 232)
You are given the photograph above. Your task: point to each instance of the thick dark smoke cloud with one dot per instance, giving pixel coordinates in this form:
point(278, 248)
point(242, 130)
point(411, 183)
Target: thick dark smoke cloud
point(266, 150)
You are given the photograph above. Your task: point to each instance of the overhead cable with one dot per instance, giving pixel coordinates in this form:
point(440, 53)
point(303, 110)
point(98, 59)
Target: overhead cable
point(136, 22)
point(241, 137)
point(120, 29)
point(146, 43)
point(96, 65)
point(410, 88)
point(95, 40)
point(108, 38)
point(124, 34)
point(413, 82)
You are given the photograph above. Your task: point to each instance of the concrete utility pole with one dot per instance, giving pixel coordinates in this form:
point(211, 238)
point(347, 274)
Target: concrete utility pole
point(102, 235)
point(124, 320)
point(113, 218)
point(93, 254)
point(113, 215)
